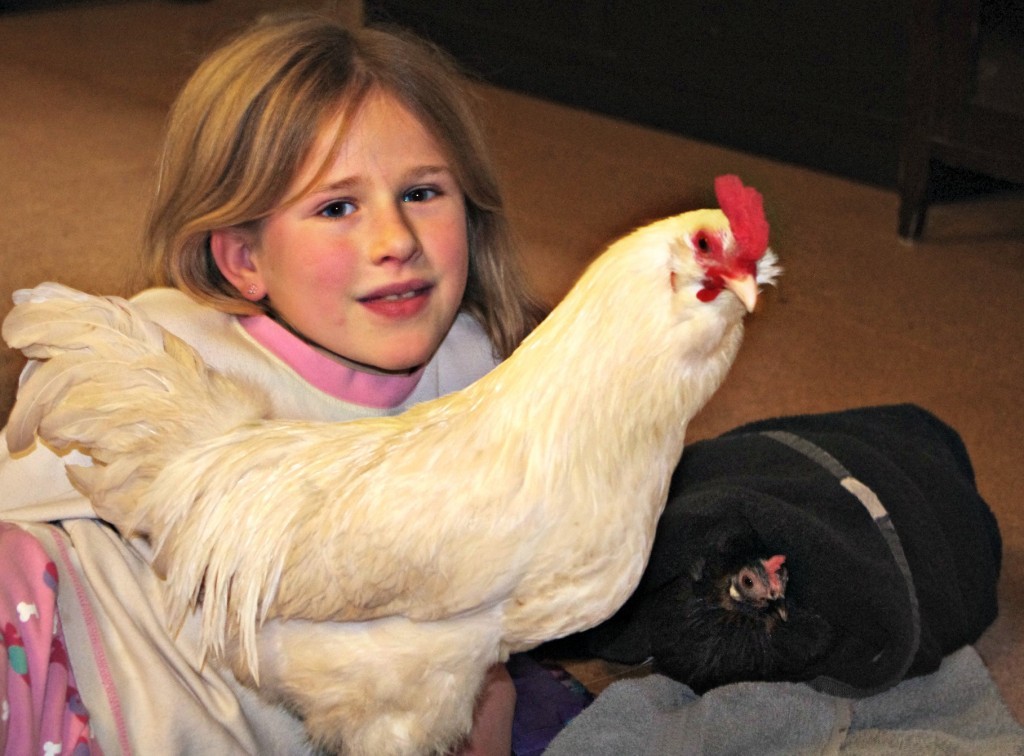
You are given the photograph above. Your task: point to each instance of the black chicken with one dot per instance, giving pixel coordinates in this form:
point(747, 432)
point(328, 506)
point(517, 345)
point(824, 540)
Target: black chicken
point(724, 618)
point(728, 618)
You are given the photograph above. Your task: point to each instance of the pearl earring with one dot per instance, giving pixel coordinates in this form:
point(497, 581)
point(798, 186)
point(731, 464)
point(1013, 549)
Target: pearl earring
point(251, 291)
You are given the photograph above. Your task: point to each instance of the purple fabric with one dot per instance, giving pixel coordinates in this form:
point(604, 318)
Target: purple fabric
point(547, 699)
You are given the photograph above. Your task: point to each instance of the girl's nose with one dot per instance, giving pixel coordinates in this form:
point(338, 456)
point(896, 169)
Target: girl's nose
point(395, 238)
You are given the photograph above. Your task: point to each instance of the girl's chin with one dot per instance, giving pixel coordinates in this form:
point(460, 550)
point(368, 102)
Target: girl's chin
point(400, 362)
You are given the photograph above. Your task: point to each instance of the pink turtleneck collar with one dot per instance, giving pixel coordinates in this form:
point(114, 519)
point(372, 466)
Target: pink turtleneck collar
point(330, 376)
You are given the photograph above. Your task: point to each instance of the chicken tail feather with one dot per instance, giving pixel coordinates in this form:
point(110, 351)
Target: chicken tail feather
point(113, 383)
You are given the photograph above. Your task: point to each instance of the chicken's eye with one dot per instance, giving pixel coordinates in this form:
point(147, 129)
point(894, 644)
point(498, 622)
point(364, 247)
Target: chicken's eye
point(702, 243)
point(748, 582)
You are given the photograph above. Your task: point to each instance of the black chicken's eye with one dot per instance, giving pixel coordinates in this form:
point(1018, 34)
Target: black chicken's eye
point(748, 582)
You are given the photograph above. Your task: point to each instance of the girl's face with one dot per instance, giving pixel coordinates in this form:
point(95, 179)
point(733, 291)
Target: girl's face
point(372, 261)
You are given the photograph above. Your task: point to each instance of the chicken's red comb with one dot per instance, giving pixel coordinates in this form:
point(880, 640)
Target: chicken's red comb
point(773, 564)
point(744, 207)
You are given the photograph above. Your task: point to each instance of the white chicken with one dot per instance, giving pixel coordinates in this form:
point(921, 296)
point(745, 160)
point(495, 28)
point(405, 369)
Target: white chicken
point(368, 573)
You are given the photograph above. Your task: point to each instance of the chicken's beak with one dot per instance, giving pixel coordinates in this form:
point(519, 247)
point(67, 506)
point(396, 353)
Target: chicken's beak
point(745, 289)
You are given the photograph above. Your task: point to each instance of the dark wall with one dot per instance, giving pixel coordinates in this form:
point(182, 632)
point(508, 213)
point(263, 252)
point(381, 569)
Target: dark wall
point(820, 84)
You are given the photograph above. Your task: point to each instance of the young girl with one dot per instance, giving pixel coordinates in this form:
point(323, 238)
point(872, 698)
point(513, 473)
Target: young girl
point(326, 224)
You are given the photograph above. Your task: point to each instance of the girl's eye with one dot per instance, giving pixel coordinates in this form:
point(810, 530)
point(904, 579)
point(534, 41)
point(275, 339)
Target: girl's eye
point(420, 194)
point(337, 209)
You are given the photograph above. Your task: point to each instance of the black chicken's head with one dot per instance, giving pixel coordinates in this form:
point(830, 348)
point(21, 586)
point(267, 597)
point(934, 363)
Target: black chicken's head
point(758, 586)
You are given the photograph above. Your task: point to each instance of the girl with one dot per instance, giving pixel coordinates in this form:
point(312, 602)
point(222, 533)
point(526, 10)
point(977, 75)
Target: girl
point(327, 224)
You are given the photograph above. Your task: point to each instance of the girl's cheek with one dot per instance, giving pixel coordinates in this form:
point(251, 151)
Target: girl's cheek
point(456, 236)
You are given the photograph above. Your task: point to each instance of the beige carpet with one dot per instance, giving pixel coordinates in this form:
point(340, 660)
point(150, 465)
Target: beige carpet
point(859, 317)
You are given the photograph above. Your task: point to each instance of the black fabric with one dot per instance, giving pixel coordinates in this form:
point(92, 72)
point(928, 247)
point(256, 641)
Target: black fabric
point(851, 623)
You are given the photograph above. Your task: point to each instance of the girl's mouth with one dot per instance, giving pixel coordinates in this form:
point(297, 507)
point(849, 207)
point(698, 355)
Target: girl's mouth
point(400, 297)
point(398, 303)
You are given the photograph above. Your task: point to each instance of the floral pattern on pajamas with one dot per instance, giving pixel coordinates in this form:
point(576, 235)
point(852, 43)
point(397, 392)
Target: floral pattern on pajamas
point(40, 709)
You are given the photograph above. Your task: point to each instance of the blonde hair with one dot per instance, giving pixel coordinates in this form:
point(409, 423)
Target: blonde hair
point(248, 118)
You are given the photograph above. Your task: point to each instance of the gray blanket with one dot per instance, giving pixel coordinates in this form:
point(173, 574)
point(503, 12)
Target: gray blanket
point(955, 710)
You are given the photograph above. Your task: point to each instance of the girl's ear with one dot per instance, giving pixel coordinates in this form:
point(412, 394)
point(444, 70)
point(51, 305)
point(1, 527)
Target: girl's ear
point(232, 250)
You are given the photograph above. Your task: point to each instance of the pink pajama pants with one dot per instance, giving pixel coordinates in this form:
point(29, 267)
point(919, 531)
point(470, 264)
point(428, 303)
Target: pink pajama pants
point(40, 709)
